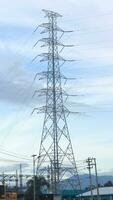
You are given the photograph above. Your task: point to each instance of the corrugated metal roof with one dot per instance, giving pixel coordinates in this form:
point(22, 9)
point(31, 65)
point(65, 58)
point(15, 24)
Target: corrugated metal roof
point(102, 191)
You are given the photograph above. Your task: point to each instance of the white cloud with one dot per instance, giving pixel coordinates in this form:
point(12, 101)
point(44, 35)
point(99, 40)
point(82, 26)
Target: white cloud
point(20, 133)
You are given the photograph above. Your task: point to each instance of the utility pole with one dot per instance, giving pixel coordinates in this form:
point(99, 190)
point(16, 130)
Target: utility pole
point(16, 180)
point(96, 177)
point(34, 178)
point(92, 162)
point(89, 166)
point(4, 185)
point(21, 178)
point(55, 148)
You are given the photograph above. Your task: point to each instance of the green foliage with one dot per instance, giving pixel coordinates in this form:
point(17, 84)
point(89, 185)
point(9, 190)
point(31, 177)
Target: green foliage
point(40, 183)
point(108, 184)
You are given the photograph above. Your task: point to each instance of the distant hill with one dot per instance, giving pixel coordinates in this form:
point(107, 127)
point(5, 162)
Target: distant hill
point(84, 179)
point(102, 179)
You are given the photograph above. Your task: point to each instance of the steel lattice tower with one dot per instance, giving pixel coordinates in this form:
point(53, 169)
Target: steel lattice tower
point(56, 155)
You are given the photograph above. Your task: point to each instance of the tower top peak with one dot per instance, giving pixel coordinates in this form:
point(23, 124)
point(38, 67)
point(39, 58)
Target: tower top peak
point(51, 13)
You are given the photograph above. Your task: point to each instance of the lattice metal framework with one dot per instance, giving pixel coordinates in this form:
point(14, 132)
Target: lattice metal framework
point(56, 152)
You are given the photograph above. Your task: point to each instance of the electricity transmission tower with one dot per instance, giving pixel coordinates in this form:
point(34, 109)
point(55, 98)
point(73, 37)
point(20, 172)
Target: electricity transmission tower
point(56, 152)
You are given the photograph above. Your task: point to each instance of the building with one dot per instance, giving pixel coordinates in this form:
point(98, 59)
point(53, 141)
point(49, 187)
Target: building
point(105, 193)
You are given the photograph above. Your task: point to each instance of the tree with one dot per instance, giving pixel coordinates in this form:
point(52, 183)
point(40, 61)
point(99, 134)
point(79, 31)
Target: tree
point(108, 184)
point(40, 183)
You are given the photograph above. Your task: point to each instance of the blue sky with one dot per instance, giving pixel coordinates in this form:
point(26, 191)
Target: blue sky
point(92, 23)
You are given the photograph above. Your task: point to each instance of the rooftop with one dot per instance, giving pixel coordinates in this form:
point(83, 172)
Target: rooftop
point(102, 191)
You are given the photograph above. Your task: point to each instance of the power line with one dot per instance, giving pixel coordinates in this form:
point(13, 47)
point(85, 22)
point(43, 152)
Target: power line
point(92, 48)
point(24, 101)
point(13, 155)
point(84, 18)
point(86, 32)
point(10, 160)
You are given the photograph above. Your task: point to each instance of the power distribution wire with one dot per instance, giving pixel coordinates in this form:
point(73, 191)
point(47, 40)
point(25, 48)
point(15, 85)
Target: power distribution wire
point(19, 115)
point(10, 160)
point(96, 57)
point(84, 18)
point(87, 32)
point(15, 154)
point(108, 26)
point(21, 45)
point(25, 98)
point(99, 42)
point(93, 48)
point(14, 66)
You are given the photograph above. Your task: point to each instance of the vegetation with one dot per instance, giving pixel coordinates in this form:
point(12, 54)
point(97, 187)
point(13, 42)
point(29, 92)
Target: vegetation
point(108, 184)
point(40, 184)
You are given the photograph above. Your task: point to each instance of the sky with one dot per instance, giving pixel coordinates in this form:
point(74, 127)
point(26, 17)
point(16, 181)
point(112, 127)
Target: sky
point(92, 130)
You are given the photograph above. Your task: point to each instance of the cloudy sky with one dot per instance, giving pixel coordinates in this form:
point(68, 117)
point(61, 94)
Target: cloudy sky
point(92, 23)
